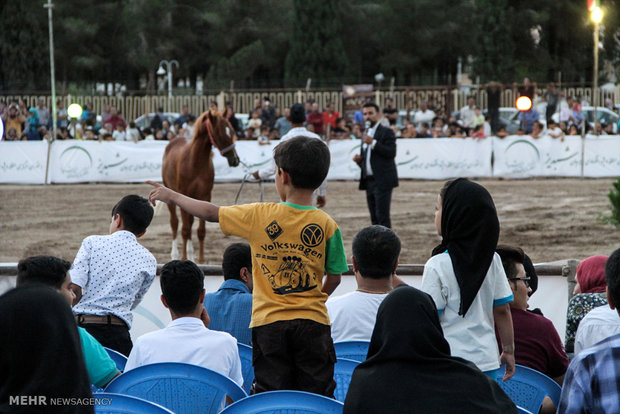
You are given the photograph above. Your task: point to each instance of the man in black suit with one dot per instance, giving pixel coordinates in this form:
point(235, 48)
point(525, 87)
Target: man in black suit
point(376, 160)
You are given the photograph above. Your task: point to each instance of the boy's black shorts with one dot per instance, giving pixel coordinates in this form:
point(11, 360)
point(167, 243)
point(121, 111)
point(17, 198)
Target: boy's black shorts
point(294, 355)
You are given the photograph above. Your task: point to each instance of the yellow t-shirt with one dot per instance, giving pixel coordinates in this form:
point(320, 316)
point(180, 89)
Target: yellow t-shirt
point(292, 246)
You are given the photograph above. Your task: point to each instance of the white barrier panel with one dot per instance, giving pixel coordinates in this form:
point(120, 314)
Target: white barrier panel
point(601, 156)
point(551, 297)
point(78, 161)
point(441, 158)
point(514, 157)
point(23, 162)
point(524, 156)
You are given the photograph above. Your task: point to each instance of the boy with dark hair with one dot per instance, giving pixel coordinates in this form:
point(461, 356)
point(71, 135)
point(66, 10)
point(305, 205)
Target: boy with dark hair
point(375, 258)
point(230, 308)
point(537, 343)
point(111, 274)
point(187, 338)
point(294, 245)
point(53, 271)
point(593, 379)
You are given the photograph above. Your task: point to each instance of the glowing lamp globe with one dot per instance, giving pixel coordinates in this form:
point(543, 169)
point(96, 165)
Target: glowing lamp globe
point(74, 110)
point(597, 15)
point(523, 103)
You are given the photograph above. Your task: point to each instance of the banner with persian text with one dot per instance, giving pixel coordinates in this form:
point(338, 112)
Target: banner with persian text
point(512, 157)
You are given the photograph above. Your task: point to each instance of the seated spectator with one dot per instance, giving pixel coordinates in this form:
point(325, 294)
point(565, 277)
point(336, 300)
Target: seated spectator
point(563, 126)
point(375, 258)
point(120, 134)
point(89, 134)
point(41, 355)
point(423, 131)
point(283, 124)
point(572, 130)
point(315, 118)
point(339, 132)
point(184, 117)
point(537, 343)
point(254, 124)
point(356, 131)
point(501, 132)
point(600, 323)
point(589, 293)
point(390, 112)
point(330, 116)
point(187, 338)
point(116, 118)
point(477, 132)
point(409, 132)
point(527, 118)
point(424, 115)
point(133, 133)
point(33, 125)
point(230, 308)
point(410, 369)
point(167, 130)
point(554, 131)
point(478, 118)
point(148, 134)
point(263, 138)
point(592, 380)
point(537, 130)
point(54, 272)
point(158, 119)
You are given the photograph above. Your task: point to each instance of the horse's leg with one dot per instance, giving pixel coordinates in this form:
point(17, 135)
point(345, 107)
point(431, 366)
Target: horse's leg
point(186, 234)
point(201, 241)
point(174, 225)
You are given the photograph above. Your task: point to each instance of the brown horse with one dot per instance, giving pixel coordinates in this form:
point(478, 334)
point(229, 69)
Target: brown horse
point(188, 169)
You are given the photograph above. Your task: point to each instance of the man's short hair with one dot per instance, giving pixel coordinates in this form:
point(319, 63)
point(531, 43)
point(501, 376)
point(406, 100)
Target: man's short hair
point(612, 276)
point(236, 256)
point(136, 213)
point(297, 114)
point(48, 270)
point(305, 159)
point(376, 249)
point(181, 282)
point(371, 105)
point(510, 257)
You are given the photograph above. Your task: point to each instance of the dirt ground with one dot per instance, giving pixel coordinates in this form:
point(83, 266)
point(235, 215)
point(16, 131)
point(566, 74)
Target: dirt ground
point(552, 219)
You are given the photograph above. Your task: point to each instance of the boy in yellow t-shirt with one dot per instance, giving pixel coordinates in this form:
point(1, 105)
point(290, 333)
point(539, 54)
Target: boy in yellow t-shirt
point(293, 246)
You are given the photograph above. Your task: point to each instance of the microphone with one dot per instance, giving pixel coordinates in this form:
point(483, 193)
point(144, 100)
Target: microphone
point(366, 125)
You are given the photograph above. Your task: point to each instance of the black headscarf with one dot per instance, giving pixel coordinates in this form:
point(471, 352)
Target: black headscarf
point(409, 368)
point(40, 351)
point(469, 231)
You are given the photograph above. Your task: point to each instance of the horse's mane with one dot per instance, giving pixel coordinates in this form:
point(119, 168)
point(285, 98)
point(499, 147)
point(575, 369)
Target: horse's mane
point(201, 142)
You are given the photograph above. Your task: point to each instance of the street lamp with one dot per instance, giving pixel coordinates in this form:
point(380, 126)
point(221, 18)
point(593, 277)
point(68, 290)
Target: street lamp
point(161, 72)
point(74, 111)
point(597, 17)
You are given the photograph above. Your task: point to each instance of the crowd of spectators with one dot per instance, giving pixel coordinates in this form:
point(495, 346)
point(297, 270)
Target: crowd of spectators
point(552, 114)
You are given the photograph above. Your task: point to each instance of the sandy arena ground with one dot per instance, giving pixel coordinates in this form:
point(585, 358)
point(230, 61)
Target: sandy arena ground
point(552, 219)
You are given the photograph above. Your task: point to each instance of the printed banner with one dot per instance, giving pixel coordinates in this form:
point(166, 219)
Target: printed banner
point(353, 97)
point(435, 159)
point(601, 156)
point(524, 156)
point(23, 162)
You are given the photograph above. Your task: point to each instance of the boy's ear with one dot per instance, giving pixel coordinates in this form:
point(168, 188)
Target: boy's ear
point(286, 178)
point(610, 300)
point(141, 234)
point(163, 301)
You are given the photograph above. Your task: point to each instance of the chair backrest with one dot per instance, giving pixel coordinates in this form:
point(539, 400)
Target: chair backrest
point(297, 402)
point(182, 388)
point(528, 388)
point(355, 350)
point(247, 369)
point(522, 410)
point(343, 370)
point(109, 403)
point(119, 359)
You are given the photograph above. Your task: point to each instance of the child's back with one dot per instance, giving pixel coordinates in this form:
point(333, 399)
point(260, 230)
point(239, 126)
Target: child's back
point(112, 273)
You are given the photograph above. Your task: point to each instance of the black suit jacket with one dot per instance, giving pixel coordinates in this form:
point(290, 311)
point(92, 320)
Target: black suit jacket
point(381, 159)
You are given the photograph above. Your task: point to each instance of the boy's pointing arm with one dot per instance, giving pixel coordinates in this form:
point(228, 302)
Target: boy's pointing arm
point(201, 209)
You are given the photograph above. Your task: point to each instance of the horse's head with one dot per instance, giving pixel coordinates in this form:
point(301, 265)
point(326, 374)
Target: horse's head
point(217, 129)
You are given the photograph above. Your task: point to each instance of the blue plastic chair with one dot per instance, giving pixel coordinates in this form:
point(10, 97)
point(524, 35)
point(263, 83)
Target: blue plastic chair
point(291, 402)
point(522, 410)
point(119, 359)
point(182, 388)
point(355, 350)
point(343, 370)
point(247, 369)
point(528, 388)
point(109, 403)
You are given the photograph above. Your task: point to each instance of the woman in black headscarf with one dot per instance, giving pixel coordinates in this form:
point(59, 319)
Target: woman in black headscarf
point(466, 279)
point(409, 368)
point(40, 353)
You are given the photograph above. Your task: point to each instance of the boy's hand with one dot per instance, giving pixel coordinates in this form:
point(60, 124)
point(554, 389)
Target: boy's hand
point(159, 193)
point(357, 158)
point(508, 358)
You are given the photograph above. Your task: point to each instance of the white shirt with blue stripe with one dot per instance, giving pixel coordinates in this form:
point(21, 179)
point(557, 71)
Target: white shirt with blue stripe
point(471, 337)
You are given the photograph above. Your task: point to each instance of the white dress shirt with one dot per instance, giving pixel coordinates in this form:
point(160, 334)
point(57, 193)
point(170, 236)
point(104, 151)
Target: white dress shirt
point(187, 340)
point(600, 323)
point(371, 133)
point(114, 272)
point(353, 315)
point(269, 171)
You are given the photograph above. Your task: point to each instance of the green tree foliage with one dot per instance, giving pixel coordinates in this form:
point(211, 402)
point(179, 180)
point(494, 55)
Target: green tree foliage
point(614, 199)
point(275, 43)
point(316, 47)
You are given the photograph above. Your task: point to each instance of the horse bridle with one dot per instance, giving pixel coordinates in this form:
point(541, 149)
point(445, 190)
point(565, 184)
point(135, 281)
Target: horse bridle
point(210, 134)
